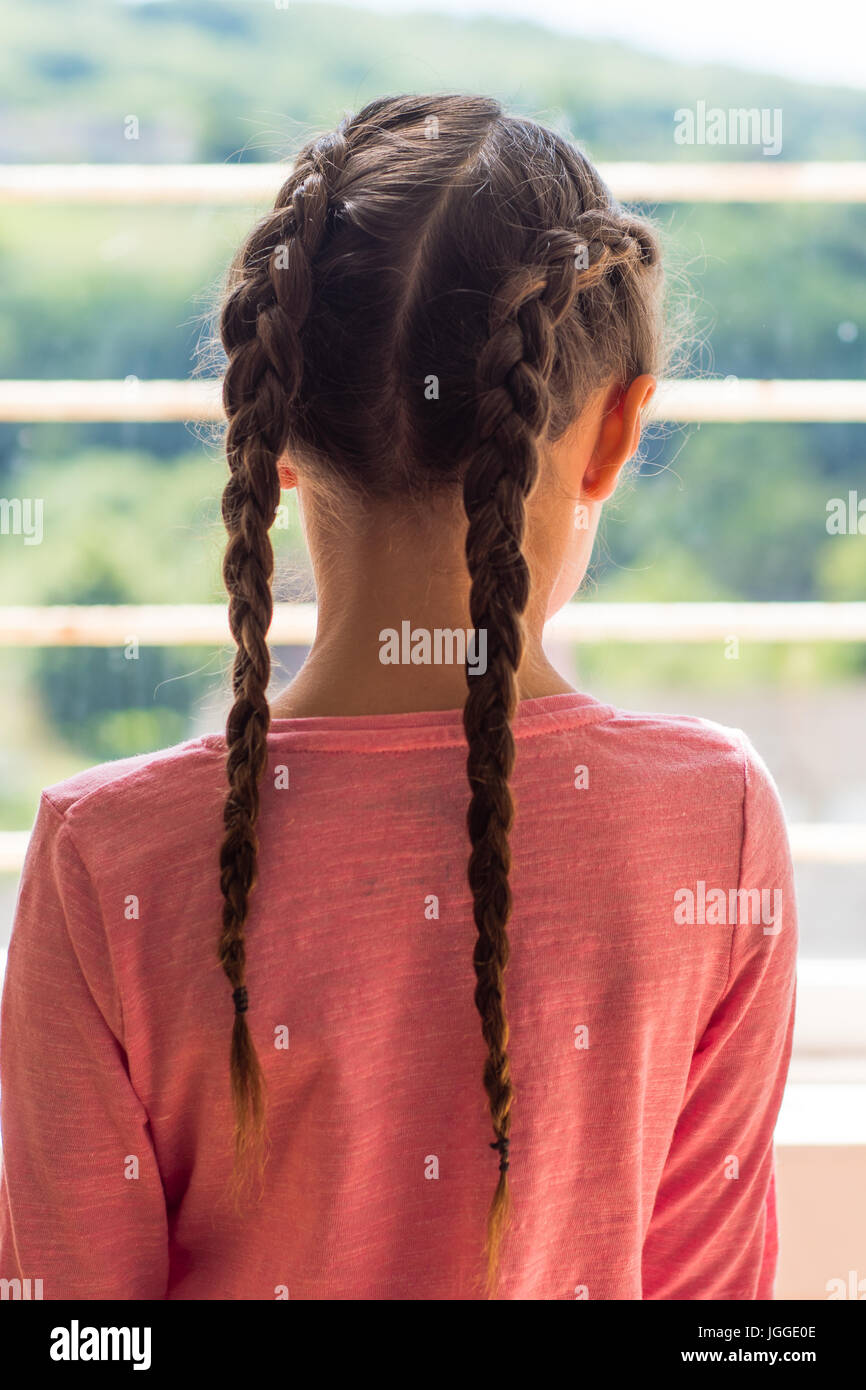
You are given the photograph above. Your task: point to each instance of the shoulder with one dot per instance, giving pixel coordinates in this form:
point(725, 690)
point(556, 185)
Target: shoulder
point(702, 756)
point(678, 739)
point(149, 789)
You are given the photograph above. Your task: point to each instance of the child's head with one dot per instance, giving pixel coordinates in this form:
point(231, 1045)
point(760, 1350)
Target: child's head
point(446, 306)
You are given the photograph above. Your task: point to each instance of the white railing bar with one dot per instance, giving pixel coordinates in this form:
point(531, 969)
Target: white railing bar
point(13, 847)
point(810, 844)
point(294, 624)
point(709, 622)
point(731, 400)
point(737, 400)
point(828, 843)
point(764, 180)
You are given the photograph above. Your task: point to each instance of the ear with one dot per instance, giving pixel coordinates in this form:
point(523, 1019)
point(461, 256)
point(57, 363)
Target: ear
point(288, 478)
point(618, 437)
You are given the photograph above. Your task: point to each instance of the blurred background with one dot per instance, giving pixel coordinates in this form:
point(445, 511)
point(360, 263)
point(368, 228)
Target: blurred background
point(98, 288)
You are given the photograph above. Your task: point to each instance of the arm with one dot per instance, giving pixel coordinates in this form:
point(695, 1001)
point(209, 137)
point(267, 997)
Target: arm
point(712, 1234)
point(74, 1131)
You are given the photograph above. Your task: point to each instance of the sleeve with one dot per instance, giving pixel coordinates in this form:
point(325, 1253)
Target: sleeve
point(713, 1234)
point(82, 1207)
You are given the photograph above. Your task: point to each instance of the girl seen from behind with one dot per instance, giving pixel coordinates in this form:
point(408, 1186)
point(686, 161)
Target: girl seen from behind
point(457, 906)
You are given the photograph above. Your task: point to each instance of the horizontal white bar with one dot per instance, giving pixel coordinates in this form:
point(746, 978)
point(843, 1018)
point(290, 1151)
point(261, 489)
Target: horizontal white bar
point(736, 400)
point(764, 180)
point(709, 622)
point(732, 400)
point(814, 843)
point(294, 624)
point(810, 844)
point(129, 399)
point(827, 1064)
point(822, 1114)
point(163, 625)
point(831, 994)
point(13, 847)
point(724, 181)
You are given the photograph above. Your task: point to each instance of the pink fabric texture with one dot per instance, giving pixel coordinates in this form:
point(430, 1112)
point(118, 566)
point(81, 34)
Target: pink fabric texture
point(649, 1052)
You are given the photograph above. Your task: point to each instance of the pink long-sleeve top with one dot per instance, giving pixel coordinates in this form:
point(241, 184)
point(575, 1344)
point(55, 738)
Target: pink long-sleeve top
point(649, 1051)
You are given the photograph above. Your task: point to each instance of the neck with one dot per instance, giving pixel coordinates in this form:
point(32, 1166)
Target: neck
point(367, 588)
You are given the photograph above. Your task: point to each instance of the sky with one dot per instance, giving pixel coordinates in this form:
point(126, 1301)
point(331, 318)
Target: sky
point(823, 43)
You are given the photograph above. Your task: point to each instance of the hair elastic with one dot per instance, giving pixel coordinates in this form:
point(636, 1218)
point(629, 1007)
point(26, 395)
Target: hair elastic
point(241, 999)
point(502, 1146)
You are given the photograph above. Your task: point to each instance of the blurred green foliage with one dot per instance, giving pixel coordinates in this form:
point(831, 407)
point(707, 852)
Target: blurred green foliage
point(131, 512)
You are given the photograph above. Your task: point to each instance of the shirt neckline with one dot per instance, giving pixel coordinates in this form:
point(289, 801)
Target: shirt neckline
point(527, 710)
point(431, 728)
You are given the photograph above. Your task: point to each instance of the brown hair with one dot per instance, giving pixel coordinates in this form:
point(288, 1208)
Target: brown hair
point(426, 235)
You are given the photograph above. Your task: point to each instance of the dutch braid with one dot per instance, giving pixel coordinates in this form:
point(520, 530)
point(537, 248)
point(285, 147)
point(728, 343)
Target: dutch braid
point(260, 327)
point(514, 406)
